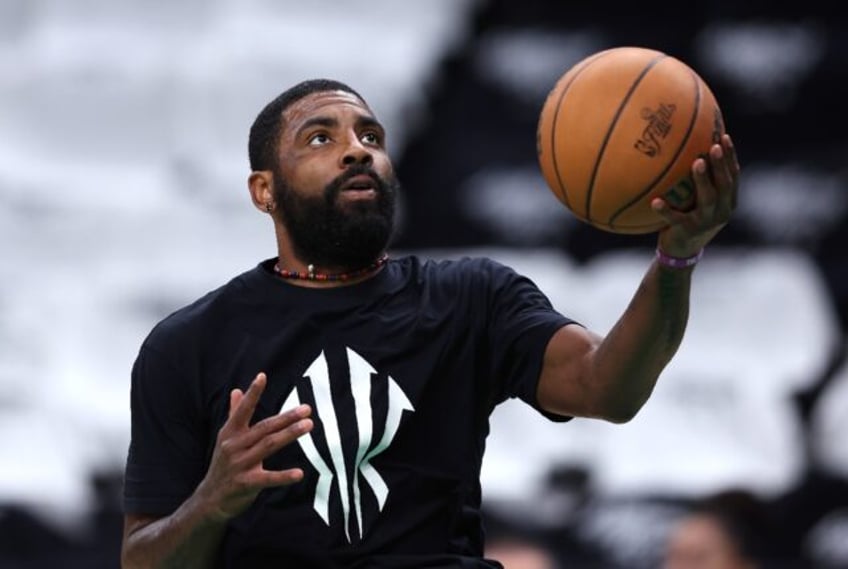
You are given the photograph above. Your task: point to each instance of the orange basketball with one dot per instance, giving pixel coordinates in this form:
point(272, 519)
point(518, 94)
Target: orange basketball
point(622, 127)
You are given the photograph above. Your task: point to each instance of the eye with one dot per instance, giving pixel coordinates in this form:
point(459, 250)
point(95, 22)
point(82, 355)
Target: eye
point(371, 137)
point(318, 139)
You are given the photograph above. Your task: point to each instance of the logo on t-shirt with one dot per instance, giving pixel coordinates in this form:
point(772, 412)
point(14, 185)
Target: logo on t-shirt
point(349, 485)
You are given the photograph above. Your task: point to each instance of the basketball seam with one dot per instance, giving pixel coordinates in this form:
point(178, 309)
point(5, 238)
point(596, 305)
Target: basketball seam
point(618, 112)
point(557, 108)
point(671, 162)
point(639, 228)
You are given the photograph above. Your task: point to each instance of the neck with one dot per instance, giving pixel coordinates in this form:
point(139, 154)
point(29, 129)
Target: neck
point(311, 276)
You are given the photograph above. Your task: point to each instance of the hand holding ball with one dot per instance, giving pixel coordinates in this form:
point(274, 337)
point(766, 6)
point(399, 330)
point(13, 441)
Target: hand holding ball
point(622, 127)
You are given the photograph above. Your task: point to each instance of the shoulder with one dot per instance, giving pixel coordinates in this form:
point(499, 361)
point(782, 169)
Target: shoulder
point(476, 281)
point(459, 269)
point(206, 312)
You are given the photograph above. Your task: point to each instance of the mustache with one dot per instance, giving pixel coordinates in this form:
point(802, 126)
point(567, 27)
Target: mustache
point(334, 187)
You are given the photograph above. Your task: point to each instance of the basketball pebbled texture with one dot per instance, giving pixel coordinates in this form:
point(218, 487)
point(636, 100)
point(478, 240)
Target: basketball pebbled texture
point(622, 127)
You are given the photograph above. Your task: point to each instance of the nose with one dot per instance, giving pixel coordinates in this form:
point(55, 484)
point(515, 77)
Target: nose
point(357, 154)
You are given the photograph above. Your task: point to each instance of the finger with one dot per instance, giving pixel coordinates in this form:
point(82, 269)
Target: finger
point(274, 478)
point(730, 151)
point(240, 416)
point(235, 396)
point(276, 423)
point(733, 166)
point(704, 188)
point(668, 213)
point(722, 181)
point(269, 444)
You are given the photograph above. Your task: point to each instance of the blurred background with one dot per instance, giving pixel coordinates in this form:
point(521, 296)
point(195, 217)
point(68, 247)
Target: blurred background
point(123, 166)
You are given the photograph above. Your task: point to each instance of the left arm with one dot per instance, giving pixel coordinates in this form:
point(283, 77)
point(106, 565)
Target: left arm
point(584, 374)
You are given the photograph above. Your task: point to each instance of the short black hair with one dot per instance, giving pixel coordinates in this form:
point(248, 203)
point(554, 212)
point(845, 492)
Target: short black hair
point(265, 131)
point(745, 519)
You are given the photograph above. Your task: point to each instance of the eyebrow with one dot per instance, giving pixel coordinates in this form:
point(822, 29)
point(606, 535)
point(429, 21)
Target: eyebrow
point(368, 121)
point(327, 122)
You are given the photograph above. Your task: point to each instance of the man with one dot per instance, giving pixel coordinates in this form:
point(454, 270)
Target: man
point(728, 530)
point(329, 408)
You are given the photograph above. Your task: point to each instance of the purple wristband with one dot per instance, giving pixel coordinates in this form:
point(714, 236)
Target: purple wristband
point(678, 262)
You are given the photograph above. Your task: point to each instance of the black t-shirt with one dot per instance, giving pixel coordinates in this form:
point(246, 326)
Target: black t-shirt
point(401, 370)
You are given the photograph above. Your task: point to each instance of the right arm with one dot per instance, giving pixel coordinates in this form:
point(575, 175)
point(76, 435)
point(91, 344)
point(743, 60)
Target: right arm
point(189, 537)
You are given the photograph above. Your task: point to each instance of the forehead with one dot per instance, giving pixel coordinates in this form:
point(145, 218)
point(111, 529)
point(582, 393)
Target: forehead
point(323, 103)
point(700, 528)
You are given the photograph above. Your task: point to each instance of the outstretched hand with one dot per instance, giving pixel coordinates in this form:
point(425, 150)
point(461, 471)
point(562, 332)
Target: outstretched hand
point(236, 475)
point(716, 180)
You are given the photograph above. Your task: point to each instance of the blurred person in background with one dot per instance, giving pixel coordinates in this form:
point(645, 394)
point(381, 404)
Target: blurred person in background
point(383, 371)
point(521, 554)
point(729, 530)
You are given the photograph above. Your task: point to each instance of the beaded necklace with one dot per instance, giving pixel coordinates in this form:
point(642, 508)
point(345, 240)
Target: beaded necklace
point(311, 275)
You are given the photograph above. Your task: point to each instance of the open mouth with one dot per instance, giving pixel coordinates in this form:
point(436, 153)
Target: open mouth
point(361, 183)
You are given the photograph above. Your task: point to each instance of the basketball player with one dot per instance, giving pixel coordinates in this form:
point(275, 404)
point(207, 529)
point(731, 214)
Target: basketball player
point(329, 407)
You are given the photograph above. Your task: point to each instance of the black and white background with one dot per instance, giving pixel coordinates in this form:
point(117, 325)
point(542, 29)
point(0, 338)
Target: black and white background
point(123, 136)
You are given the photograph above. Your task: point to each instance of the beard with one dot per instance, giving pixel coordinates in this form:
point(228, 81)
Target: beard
point(344, 236)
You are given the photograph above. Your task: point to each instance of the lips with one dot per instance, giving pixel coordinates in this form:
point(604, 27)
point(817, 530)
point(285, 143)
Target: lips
point(359, 183)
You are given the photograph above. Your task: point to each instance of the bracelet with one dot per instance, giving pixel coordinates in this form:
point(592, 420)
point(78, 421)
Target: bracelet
point(678, 262)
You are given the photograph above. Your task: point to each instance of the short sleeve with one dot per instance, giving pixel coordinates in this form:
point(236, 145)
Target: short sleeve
point(166, 458)
point(521, 323)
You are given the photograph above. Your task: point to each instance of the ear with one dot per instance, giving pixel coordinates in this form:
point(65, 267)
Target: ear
point(261, 187)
